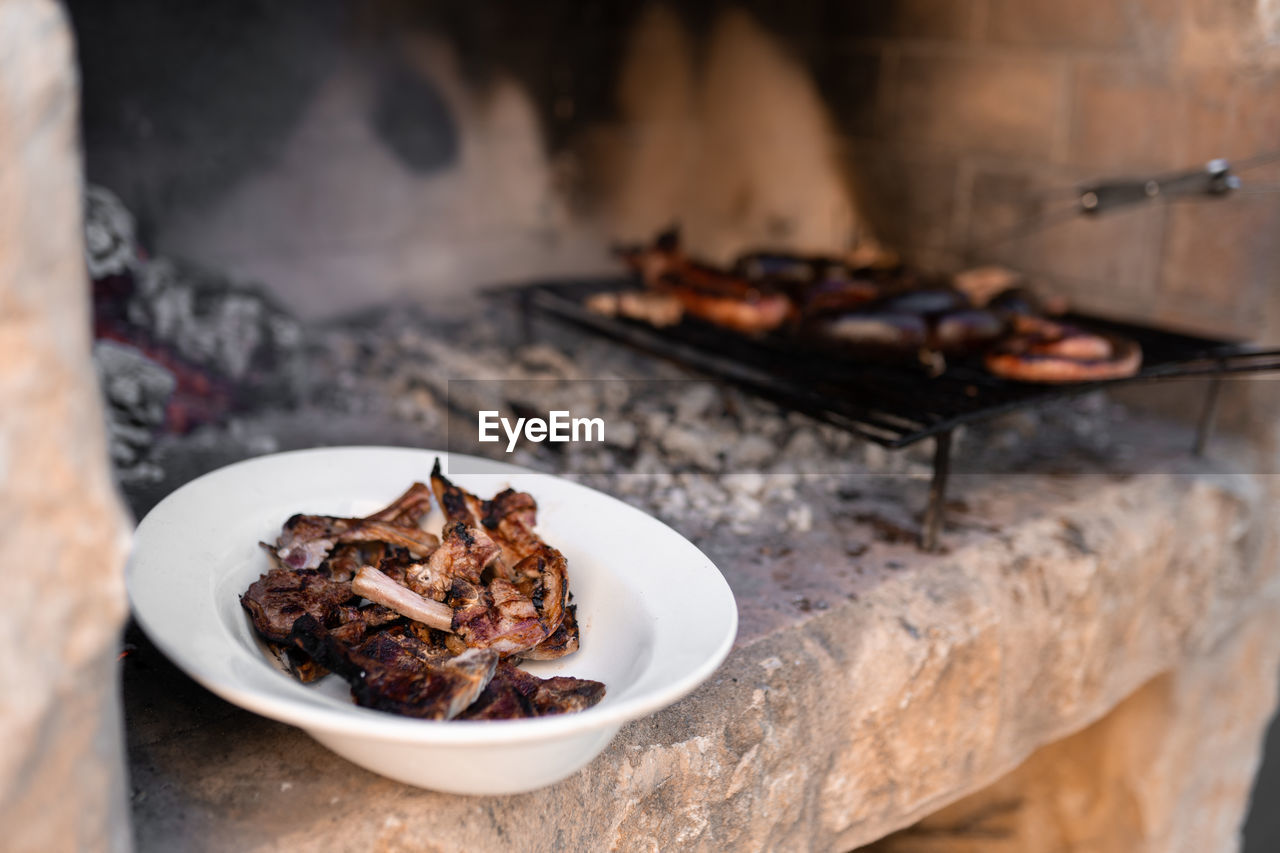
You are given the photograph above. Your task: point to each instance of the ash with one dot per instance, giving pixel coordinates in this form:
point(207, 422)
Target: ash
point(706, 458)
point(177, 346)
point(135, 390)
point(699, 455)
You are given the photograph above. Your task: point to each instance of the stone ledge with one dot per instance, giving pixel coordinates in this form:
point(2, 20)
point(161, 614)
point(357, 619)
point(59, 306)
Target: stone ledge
point(924, 679)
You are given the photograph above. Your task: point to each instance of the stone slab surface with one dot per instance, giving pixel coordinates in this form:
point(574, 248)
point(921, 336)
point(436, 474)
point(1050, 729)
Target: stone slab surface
point(870, 686)
point(1166, 770)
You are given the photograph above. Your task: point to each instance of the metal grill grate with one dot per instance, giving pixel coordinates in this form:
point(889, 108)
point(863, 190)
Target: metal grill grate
point(894, 405)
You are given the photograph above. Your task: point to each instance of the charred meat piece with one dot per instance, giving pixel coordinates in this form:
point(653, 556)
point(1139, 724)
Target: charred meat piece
point(510, 518)
point(305, 540)
point(408, 509)
point(564, 641)
point(922, 301)
point(464, 553)
point(515, 694)
point(502, 698)
point(565, 694)
point(656, 309)
point(538, 571)
point(833, 296)
point(395, 671)
point(751, 314)
point(344, 561)
point(298, 663)
point(723, 298)
point(1043, 350)
point(498, 617)
point(353, 624)
point(458, 505)
point(418, 543)
point(438, 690)
point(965, 330)
point(280, 596)
point(873, 332)
point(544, 578)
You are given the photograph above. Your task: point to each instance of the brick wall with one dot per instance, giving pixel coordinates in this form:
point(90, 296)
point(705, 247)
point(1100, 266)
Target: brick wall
point(966, 119)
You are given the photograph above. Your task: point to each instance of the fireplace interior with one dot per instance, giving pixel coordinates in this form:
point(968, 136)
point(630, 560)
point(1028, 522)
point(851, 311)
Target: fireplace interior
point(296, 213)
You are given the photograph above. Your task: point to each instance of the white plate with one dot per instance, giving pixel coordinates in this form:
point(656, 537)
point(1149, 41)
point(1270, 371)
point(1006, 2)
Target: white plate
point(656, 616)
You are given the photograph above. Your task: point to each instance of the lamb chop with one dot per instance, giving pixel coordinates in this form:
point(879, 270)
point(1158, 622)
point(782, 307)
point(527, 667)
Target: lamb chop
point(536, 570)
point(490, 589)
point(514, 694)
point(564, 641)
point(354, 623)
point(395, 670)
point(465, 552)
point(417, 542)
point(280, 596)
point(408, 510)
point(497, 617)
point(306, 540)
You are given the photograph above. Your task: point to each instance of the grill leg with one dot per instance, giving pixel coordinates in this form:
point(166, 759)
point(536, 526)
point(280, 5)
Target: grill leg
point(937, 508)
point(1208, 416)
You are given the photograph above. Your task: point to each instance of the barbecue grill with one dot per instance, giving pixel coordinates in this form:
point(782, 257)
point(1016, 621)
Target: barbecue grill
point(894, 405)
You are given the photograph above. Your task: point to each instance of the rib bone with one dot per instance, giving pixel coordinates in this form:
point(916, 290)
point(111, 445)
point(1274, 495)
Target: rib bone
point(377, 587)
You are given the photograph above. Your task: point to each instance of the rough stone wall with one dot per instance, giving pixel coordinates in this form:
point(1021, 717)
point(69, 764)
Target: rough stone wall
point(936, 125)
point(61, 777)
point(971, 118)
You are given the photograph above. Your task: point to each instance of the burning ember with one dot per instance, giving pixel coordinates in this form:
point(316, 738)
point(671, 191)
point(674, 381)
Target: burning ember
point(176, 347)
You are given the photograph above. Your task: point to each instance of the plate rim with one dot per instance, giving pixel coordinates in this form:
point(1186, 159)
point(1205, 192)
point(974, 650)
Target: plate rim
point(380, 725)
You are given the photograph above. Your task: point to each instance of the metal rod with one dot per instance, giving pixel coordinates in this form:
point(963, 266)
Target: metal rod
point(1208, 416)
point(936, 511)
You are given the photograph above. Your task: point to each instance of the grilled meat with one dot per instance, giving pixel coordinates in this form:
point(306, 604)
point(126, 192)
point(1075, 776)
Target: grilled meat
point(458, 505)
point(1043, 350)
point(464, 553)
point(306, 540)
point(563, 641)
point(496, 617)
point(298, 663)
point(280, 596)
point(343, 562)
point(724, 298)
point(417, 542)
point(408, 510)
point(538, 571)
point(394, 670)
point(501, 699)
point(656, 309)
point(564, 694)
point(510, 518)
point(883, 311)
point(514, 694)
point(442, 613)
